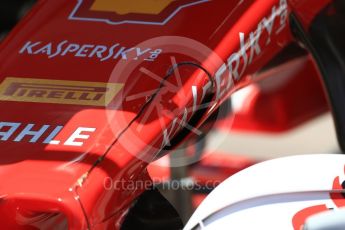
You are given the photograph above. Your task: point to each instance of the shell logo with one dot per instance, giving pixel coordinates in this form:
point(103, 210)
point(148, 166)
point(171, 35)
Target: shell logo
point(122, 7)
point(115, 12)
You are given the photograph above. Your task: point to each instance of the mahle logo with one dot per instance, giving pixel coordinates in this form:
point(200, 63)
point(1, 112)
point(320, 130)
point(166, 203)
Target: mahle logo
point(151, 12)
point(58, 91)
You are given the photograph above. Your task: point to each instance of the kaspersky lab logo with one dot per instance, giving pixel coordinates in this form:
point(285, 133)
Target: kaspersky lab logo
point(150, 12)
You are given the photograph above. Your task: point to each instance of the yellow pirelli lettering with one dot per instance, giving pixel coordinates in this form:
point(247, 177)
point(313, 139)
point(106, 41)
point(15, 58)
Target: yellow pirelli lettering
point(58, 91)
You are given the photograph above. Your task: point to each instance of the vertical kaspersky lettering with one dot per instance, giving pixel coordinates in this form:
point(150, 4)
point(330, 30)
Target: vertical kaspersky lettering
point(251, 46)
point(44, 134)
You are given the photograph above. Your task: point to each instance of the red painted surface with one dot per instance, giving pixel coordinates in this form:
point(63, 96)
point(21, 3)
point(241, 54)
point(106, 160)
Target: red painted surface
point(41, 178)
point(282, 103)
point(215, 167)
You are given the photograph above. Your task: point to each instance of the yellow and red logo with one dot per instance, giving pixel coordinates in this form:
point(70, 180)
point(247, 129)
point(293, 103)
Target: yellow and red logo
point(58, 91)
point(151, 12)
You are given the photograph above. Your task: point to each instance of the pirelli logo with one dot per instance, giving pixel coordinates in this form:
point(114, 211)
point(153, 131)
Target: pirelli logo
point(58, 91)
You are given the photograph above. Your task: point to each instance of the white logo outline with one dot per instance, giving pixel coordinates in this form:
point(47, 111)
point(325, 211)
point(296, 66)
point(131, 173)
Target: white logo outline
point(73, 16)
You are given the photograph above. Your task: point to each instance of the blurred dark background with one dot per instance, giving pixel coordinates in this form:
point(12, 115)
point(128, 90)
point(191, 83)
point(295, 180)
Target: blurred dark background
point(11, 11)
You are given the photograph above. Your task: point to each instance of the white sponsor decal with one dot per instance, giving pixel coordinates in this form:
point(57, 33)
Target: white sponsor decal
point(100, 52)
point(250, 48)
point(44, 134)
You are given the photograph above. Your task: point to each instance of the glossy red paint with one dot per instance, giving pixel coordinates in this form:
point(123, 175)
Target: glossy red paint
point(281, 100)
point(51, 43)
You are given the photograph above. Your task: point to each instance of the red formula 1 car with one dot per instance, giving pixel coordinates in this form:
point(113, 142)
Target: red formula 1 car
point(93, 91)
